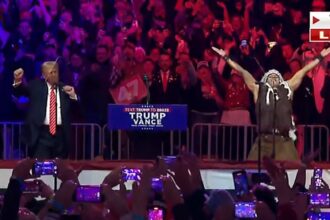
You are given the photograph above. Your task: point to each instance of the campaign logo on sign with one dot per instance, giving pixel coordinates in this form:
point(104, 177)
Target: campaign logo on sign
point(147, 117)
point(319, 26)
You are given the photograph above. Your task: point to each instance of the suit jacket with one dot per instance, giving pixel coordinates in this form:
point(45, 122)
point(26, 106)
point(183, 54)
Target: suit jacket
point(37, 91)
point(172, 95)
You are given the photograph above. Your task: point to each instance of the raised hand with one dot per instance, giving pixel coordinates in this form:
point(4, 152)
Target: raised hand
point(171, 193)
point(18, 75)
point(116, 201)
point(182, 176)
point(65, 193)
point(141, 192)
point(325, 52)
point(22, 169)
point(70, 91)
point(221, 52)
point(66, 172)
point(279, 180)
point(114, 178)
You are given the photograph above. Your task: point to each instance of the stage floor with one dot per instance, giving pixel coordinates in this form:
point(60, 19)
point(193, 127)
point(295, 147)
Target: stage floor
point(215, 174)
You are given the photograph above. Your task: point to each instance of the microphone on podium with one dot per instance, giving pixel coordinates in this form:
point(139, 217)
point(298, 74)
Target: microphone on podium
point(146, 81)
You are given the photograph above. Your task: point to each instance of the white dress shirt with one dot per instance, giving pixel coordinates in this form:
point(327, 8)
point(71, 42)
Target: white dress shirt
point(58, 106)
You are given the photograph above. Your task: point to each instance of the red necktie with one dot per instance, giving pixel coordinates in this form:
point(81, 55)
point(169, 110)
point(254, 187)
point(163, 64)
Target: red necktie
point(164, 81)
point(52, 112)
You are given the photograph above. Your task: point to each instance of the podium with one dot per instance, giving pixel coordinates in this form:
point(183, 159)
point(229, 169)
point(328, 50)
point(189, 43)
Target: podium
point(148, 118)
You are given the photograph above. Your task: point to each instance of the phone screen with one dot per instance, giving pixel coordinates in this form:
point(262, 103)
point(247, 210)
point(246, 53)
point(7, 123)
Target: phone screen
point(131, 174)
point(155, 214)
point(241, 182)
point(44, 168)
point(317, 177)
point(157, 185)
point(245, 210)
point(317, 173)
point(88, 194)
point(319, 199)
point(318, 216)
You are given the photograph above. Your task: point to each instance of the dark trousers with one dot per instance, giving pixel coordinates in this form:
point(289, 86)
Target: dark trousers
point(49, 146)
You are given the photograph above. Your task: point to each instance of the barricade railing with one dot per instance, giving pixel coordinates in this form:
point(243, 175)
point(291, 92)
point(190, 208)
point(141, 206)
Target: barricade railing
point(207, 140)
point(312, 138)
point(224, 142)
point(11, 146)
point(85, 141)
point(120, 143)
point(234, 142)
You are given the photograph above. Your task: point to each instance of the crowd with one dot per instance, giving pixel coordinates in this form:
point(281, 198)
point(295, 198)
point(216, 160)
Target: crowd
point(98, 44)
point(181, 195)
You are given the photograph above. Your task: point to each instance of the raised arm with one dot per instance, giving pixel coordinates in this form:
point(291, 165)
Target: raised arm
point(248, 78)
point(18, 77)
point(296, 80)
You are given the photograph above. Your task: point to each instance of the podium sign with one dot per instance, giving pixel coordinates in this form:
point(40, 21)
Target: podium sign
point(130, 90)
point(147, 117)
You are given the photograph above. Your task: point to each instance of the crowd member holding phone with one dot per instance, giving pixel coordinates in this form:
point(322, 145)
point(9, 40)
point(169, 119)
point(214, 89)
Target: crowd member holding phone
point(20, 184)
point(183, 194)
point(47, 127)
point(273, 96)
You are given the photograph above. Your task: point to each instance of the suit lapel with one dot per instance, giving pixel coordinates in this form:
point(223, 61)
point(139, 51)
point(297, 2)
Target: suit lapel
point(62, 97)
point(44, 91)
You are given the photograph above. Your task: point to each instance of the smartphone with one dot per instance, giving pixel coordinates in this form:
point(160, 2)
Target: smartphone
point(245, 210)
point(131, 174)
point(317, 173)
point(318, 215)
point(155, 213)
point(157, 184)
point(319, 199)
point(88, 193)
point(44, 168)
point(31, 187)
point(241, 182)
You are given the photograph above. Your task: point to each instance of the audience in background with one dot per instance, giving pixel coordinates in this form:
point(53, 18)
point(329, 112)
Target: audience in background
point(102, 42)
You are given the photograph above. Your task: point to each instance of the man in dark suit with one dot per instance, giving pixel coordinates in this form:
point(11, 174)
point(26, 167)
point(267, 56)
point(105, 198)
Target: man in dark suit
point(166, 85)
point(47, 127)
point(165, 89)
